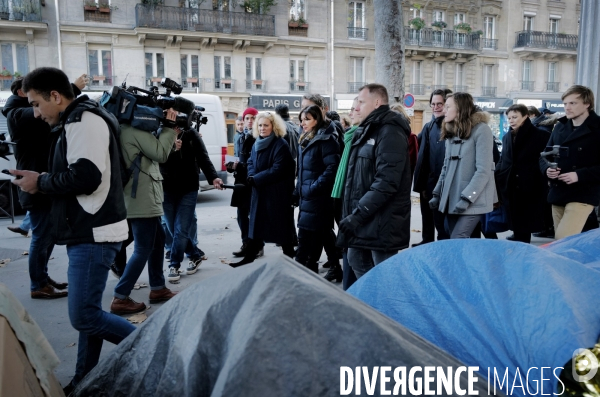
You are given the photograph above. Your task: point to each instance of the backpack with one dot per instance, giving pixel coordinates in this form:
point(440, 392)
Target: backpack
point(115, 129)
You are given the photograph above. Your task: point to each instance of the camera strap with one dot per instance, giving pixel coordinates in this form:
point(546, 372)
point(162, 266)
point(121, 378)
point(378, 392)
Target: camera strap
point(134, 170)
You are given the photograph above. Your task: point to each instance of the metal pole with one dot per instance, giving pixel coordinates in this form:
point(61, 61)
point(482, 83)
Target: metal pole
point(58, 35)
point(588, 50)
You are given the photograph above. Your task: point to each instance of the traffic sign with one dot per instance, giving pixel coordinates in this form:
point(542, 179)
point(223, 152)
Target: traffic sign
point(409, 100)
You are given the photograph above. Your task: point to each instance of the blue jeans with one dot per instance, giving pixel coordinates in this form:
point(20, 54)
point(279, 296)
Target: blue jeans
point(148, 246)
point(88, 271)
point(189, 249)
point(178, 214)
point(40, 249)
point(26, 224)
point(362, 260)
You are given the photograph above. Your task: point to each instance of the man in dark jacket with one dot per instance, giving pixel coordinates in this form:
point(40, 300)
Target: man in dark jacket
point(181, 175)
point(292, 129)
point(32, 137)
point(88, 206)
point(429, 167)
point(376, 209)
point(575, 182)
point(538, 121)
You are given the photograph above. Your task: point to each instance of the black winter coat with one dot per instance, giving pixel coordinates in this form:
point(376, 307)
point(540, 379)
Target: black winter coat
point(584, 159)
point(271, 211)
point(32, 151)
point(377, 189)
point(522, 188)
point(241, 197)
point(537, 122)
point(181, 172)
point(317, 168)
point(430, 160)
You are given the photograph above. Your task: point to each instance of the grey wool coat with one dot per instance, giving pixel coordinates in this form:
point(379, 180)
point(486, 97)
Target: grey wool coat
point(469, 170)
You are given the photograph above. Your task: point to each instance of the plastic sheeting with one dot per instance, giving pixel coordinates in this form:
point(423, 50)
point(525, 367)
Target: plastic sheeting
point(270, 329)
point(496, 304)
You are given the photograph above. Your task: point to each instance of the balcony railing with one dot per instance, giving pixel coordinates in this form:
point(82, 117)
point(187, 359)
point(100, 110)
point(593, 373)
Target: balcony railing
point(357, 33)
point(534, 39)
point(460, 88)
point(450, 39)
point(299, 86)
point(553, 86)
point(97, 82)
point(355, 86)
point(224, 85)
point(20, 10)
point(527, 85)
point(176, 18)
point(192, 84)
point(256, 85)
point(488, 91)
point(490, 44)
point(5, 82)
point(417, 89)
point(297, 31)
point(439, 87)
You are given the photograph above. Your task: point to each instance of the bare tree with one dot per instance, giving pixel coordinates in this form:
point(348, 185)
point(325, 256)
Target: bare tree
point(389, 46)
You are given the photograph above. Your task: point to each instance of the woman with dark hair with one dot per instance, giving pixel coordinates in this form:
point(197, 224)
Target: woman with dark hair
point(521, 186)
point(271, 177)
point(466, 188)
point(318, 159)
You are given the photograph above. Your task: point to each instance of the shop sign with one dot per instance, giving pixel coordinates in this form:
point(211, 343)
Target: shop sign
point(269, 102)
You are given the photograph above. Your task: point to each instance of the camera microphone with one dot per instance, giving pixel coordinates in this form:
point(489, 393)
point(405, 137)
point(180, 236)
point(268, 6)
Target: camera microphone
point(183, 105)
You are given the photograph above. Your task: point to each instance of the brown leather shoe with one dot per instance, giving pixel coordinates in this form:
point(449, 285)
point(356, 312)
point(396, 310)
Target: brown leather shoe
point(48, 292)
point(18, 230)
point(56, 284)
point(161, 295)
point(126, 306)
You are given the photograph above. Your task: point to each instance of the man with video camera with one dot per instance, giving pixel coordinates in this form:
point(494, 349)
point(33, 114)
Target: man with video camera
point(181, 173)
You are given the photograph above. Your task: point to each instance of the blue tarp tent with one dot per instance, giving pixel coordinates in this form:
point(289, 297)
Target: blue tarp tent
point(496, 304)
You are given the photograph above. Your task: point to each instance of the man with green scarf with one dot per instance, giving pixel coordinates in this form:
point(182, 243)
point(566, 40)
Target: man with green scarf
point(338, 190)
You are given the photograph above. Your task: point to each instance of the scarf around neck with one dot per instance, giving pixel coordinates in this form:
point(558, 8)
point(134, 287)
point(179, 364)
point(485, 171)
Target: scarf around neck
point(263, 143)
point(340, 177)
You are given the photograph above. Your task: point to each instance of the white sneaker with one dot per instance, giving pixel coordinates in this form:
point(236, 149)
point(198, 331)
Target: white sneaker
point(173, 274)
point(193, 266)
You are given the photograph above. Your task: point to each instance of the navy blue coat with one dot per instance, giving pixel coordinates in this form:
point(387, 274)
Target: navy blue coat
point(271, 211)
point(317, 167)
point(430, 160)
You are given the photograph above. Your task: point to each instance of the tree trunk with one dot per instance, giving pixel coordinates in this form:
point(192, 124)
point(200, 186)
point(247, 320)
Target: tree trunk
point(389, 47)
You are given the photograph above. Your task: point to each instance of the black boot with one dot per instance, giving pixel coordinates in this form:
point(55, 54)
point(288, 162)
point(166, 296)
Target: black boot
point(334, 274)
point(242, 251)
point(251, 255)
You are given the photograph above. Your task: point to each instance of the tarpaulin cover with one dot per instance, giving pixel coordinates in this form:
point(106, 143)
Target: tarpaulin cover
point(496, 304)
point(265, 329)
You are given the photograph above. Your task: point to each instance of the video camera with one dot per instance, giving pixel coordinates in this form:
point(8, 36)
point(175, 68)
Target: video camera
point(5, 147)
point(555, 152)
point(143, 109)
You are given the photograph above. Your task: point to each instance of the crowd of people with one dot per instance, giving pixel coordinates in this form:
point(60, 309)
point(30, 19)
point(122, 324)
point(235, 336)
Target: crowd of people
point(355, 170)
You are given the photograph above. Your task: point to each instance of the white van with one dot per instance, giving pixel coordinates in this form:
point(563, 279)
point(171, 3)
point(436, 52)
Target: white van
point(214, 132)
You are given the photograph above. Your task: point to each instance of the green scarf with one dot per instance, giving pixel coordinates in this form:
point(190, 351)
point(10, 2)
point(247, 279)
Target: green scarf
point(340, 177)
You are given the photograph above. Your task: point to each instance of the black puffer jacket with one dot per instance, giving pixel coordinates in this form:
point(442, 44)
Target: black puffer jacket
point(241, 198)
point(32, 137)
point(317, 166)
point(584, 159)
point(182, 169)
point(377, 189)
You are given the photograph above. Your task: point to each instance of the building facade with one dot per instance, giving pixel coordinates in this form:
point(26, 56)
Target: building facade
point(501, 51)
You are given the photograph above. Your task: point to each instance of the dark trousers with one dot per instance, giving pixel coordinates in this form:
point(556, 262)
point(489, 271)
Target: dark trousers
point(243, 219)
point(439, 220)
point(40, 249)
point(121, 258)
point(428, 224)
point(349, 277)
point(310, 246)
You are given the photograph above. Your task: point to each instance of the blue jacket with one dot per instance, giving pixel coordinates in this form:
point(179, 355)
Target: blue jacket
point(317, 166)
point(271, 212)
